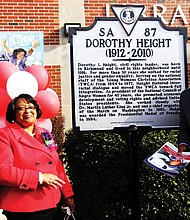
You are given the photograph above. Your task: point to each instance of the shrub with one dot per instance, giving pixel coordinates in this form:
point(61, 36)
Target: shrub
point(97, 164)
point(58, 128)
point(162, 197)
point(98, 167)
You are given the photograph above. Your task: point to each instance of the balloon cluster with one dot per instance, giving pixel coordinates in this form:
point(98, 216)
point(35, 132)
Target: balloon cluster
point(33, 81)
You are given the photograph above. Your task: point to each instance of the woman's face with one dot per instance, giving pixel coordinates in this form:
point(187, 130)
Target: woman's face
point(20, 55)
point(25, 113)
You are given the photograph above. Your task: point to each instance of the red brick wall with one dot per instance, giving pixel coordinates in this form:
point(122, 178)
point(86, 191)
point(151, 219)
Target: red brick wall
point(97, 8)
point(35, 15)
point(55, 82)
point(38, 15)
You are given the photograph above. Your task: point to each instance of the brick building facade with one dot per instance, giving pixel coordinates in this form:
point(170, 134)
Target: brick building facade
point(49, 17)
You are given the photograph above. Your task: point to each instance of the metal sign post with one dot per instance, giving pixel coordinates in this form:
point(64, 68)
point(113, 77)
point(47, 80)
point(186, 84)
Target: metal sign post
point(133, 143)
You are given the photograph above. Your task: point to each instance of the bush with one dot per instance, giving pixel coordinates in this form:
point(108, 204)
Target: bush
point(162, 197)
point(98, 167)
point(58, 127)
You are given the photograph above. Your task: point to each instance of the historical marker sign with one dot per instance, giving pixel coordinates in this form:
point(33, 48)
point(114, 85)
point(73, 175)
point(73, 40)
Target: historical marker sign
point(127, 70)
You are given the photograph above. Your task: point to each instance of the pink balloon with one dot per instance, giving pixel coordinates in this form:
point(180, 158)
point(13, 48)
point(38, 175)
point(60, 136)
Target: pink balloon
point(51, 90)
point(6, 69)
point(2, 122)
point(49, 103)
point(4, 101)
point(41, 75)
point(45, 123)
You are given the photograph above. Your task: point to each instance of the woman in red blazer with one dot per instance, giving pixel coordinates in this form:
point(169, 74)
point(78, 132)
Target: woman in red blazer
point(32, 178)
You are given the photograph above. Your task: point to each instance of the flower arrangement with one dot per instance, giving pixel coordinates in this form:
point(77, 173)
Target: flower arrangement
point(48, 140)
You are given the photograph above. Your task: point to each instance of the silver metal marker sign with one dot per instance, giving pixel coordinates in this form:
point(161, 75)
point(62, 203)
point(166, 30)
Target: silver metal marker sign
point(127, 70)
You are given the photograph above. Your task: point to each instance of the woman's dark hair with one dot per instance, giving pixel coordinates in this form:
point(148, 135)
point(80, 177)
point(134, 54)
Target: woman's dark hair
point(16, 51)
point(11, 108)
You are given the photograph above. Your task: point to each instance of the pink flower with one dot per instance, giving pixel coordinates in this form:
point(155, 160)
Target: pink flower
point(48, 140)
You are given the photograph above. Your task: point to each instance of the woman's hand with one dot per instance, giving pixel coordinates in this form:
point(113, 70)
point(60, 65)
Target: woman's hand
point(2, 42)
point(35, 44)
point(70, 202)
point(181, 148)
point(51, 180)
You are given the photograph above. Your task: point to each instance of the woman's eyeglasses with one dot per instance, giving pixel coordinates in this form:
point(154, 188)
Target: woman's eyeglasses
point(24, 108)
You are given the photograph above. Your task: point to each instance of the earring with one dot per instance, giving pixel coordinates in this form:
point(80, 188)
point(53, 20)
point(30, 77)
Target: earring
point(12, 121)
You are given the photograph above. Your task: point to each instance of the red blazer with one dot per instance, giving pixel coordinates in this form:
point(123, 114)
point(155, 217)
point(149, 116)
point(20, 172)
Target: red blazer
point(22, 157)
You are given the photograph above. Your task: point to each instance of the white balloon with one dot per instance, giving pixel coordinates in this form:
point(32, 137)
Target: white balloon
point(21, 82)
point(45, 123)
